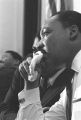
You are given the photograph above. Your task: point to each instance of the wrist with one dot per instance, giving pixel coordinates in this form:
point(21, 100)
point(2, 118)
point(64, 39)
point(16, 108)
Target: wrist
point(32, 85)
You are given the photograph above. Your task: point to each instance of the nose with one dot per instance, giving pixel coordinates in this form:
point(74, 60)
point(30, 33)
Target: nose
point(40, 45)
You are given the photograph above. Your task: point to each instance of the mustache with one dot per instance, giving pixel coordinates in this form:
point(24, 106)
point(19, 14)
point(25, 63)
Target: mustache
point(39, 47)
point(36, 49)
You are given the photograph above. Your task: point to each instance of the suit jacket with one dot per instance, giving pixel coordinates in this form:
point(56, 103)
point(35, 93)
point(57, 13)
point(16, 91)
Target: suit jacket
point(11, 99)
point(6, 75)
point(52, 93)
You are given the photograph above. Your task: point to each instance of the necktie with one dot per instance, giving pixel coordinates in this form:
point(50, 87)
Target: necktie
point(69, 94)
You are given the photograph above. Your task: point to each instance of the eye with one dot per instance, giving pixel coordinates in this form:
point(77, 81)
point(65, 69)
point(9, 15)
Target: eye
point(45, 32)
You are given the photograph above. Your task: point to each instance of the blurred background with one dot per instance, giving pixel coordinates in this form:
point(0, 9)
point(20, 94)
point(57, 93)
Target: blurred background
point(21, 20)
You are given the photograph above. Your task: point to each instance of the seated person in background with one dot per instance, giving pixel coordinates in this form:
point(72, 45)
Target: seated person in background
point(10, 104)
point(11, 98)
point(9, 61)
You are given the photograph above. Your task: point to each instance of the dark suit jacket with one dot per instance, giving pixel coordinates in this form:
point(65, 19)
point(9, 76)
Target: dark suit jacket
point(11, 98)
point(52, 94)
point(6, 75)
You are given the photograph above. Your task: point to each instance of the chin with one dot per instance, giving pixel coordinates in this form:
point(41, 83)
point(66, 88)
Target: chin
point(47, 72)
point(47, 66)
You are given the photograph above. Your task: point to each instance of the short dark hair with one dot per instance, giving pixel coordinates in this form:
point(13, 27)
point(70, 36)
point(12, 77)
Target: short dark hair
point(15, 55)
point(69, 18)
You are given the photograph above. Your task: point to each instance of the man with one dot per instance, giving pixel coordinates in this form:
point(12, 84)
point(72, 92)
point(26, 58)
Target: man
point(10, 58)
point(9, 61)
point(11, 102)
point(10, 105)
point(61, 36)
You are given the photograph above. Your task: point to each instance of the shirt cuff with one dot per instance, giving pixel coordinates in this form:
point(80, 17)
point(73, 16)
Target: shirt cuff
point(31, 96)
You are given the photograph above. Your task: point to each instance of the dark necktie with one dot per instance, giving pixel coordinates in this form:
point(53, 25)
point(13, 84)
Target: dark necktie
point(69, 94)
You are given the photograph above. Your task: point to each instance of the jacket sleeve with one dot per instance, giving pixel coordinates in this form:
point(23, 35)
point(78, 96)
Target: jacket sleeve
point(11, 98)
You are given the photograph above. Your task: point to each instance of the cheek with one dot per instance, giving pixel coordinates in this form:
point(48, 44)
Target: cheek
point(55, 44)
point(55, 50)
point(51, 45)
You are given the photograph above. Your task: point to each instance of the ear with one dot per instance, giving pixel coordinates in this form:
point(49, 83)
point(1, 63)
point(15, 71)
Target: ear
point(74, 32)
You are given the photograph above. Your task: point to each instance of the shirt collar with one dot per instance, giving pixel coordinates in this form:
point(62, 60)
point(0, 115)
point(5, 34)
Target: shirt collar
point(76, 64)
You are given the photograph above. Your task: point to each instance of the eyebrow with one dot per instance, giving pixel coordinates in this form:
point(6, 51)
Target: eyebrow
point(45, 30)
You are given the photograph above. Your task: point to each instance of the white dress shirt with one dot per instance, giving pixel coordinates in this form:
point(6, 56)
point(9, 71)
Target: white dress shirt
point(31, 109)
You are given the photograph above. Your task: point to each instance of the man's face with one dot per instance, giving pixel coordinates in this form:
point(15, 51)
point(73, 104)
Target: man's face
point(56, 43)
point(6, 59)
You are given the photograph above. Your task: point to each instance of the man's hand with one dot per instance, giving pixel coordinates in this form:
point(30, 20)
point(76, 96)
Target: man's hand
point(24, 70)
point(31, 73)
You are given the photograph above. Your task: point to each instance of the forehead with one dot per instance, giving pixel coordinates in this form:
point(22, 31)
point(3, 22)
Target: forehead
point(6, 55)
point(52, 23)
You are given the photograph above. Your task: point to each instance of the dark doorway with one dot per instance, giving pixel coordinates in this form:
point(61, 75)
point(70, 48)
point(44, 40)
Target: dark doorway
point(30, 24)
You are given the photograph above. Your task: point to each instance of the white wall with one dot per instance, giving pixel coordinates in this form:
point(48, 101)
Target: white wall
point(11, 25)
point(77, 5)
point(45, 7)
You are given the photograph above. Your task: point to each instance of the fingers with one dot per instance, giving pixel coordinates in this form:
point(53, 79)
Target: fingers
point(32, 77)
point(27, 71)
point(36, 60)
point(26, 66)
point(24, 70)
